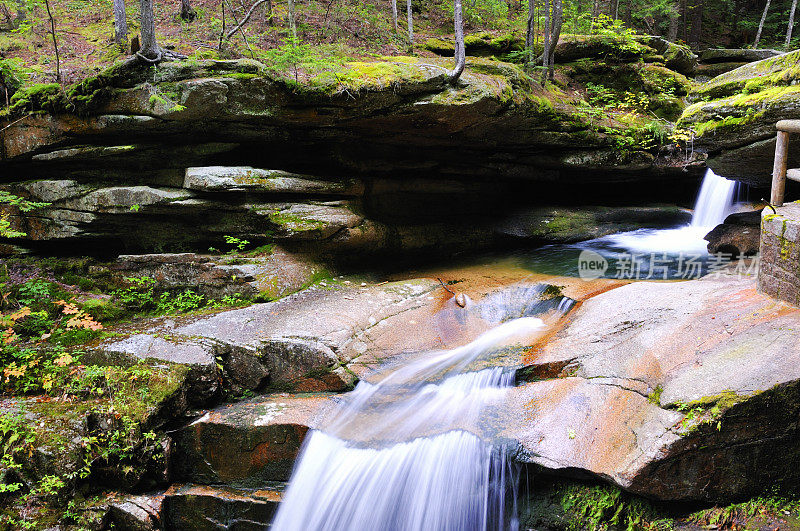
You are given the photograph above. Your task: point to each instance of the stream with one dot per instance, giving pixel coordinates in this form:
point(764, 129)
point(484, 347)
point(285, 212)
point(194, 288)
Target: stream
point(414, 448)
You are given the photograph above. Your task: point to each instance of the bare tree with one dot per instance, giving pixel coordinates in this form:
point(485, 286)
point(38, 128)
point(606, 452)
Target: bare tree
point(410, 23)
point(55, 40)
point(552, 32)
point(268, 13)
point(120, 25)
point(697, 23)
point(555, 34)
point(238, 28)
point(247, 17)
point(791, 25)
point(674, 22)
point(292, 24)
point(546, 41)
point(188, 13)
point(150, 51)
point(394, 14)
point(530, 34)
point(761, 24)
point(461, 52)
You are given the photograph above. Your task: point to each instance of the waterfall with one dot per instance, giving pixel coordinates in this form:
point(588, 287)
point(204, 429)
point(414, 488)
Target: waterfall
point(412, 451)
point(714, 200)
point(713, 204)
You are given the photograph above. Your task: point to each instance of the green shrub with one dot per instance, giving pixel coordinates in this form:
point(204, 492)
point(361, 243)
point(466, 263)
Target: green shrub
point(103, 309)
point(183, 302)
point(139, 296)
point(34, 324)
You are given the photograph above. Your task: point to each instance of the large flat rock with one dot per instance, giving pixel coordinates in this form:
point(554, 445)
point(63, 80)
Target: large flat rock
point(303, 342)
point(672, 390)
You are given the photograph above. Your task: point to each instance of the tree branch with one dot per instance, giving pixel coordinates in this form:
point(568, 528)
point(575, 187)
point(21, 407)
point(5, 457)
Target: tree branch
point(245, 19)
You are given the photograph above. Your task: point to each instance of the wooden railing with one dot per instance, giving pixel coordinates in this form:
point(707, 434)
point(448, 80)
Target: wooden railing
point(779, 171)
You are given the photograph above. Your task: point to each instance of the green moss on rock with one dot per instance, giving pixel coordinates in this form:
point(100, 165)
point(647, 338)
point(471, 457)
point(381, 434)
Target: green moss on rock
point(478, 44)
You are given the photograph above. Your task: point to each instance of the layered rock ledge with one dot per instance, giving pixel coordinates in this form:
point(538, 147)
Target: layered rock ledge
point(734, 117)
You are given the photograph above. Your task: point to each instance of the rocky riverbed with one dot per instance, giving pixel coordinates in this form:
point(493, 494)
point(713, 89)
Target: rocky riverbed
point(678, 391)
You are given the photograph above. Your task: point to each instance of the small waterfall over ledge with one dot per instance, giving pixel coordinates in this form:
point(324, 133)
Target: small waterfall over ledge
point(713, 204)
point(714, 201)
point(411, 452)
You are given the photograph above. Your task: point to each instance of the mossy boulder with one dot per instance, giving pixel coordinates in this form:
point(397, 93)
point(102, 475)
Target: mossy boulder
point(715, 69)
point(677, 57)
point(616, 48)
point(743, 55)
point(734, 116)
point(483, 44)
point(662, 89)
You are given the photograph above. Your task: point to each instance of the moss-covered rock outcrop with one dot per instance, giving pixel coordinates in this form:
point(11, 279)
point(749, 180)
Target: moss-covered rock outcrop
point(136, 158)
point(482, 44)
point(734, 116)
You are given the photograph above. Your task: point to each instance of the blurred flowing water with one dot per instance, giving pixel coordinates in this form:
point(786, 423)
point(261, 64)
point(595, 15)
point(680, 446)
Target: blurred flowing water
point(413, 451)
point(659, 254)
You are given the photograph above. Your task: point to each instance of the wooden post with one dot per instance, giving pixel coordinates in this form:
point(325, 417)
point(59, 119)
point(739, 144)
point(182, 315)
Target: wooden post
point(779, 168)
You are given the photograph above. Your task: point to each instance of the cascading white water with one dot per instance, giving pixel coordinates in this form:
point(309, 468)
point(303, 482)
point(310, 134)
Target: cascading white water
point(714, 201)
point(713, 204)
point(411, 452)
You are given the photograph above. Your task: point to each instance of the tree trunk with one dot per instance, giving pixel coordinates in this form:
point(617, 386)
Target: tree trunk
point(595, 14)
point(674, 20)
point(394, 14)
point(21, 15)
point(531, 32)
point(761, 24)
point(791, 25)
point(555, 34)
point(150, 51)
point(55, 41)
point(697, 23)
point(410, 23)
point(684, 21)
point(120, 25)
point(188, 14)
point(292, 24)
point(613, 10)
point(546, 42)
point(460, 55)
point(268, 13)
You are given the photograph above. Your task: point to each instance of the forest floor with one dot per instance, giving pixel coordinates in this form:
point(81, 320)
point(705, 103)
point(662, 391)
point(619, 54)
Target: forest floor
point(343, 29)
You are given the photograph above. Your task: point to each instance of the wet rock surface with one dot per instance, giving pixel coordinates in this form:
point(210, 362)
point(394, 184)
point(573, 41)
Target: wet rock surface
point(738, 235)
point(665, 389)
point(578, 224)
point(247, 444)
point(673, 394)
point(304, 342)
point(219, 508)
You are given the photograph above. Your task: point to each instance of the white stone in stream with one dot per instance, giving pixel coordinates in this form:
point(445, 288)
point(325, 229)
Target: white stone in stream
point(246, 178)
